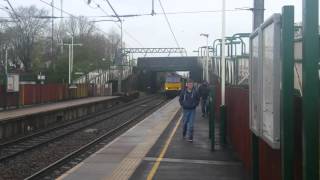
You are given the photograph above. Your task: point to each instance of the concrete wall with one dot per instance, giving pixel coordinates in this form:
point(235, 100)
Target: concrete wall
point(25, 125)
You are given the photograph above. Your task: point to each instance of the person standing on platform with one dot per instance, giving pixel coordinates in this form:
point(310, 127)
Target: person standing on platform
point(204, 94)
point(189, 100)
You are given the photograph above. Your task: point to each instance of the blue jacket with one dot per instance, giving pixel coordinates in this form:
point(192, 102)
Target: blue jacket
point(189, 100)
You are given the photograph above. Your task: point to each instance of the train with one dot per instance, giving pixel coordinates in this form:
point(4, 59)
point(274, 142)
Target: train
point(173, 84)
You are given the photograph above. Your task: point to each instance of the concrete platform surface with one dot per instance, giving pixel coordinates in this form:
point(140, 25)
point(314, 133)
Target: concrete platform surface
point(12, 114)
point(120, 158)
point(189, 161)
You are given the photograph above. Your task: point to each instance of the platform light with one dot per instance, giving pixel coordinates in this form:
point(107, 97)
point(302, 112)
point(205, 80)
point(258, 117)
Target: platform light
point(206, 74)
point(223, 65)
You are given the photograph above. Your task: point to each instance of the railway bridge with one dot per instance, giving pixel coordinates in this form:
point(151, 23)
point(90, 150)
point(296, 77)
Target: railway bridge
point(150, 66)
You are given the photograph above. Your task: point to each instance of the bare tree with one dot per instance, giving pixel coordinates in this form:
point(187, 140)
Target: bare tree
point(79, 26)
point(6, 45)
point(28, 28)
point(113, 44)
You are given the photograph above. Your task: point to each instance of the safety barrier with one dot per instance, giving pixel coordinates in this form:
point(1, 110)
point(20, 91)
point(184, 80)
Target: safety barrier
point(237, 69)
point(104, 76)
point(30, 94)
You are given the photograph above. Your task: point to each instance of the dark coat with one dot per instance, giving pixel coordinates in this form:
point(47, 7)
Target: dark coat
point(204, 91)
point(189, 100)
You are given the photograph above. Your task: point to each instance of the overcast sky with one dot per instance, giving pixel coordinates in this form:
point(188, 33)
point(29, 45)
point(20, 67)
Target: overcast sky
point(152, 31)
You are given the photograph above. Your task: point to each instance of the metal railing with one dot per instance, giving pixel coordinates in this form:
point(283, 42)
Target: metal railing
point(237, 69)
point(104, 76)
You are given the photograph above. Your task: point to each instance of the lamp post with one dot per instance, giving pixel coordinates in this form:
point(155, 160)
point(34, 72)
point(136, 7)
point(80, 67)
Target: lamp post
point(223, 62)
point(223, 112)
point(70, 46)
point(207, 58)
point(120, 60)
point(6, 77)
point(6, 63)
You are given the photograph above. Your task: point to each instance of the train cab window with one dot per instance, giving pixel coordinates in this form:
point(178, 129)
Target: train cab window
point(172, 79)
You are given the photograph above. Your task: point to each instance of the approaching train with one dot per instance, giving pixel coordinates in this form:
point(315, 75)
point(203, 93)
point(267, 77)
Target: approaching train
point(173, 84)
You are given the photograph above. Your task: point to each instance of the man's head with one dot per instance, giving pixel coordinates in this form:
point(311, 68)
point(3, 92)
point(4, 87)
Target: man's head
point(189, 85)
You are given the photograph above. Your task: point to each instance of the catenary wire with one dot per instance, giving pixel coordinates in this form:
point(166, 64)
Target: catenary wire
point(117, 24)
point(169, 25)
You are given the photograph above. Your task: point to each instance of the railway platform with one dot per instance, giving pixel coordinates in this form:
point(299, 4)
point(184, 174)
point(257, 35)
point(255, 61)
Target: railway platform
point(16, 113)
point(155, 149)
point(22, 121)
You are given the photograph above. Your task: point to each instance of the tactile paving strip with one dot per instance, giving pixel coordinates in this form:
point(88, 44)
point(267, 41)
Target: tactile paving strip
point(128, 165)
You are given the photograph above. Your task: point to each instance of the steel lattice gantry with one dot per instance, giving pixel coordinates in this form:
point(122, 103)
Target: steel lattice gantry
point(146, 51)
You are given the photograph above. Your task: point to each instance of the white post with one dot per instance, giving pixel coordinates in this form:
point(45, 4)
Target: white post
point(207, 62)
point(71, 57)
point(72, 54)
point(52, 27)
point(69, 64)
point(6, 63)
point(61, 23)
point(203, 68)
point(223, 62)
point(120, 63)
point(61, 11)
point(205, 65)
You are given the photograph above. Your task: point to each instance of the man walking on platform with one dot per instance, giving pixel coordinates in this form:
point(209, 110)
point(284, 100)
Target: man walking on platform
point(189, 100)
point(204, 94)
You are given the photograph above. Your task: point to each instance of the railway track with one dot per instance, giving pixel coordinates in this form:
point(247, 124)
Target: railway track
point(15, 147)
point(114, 119)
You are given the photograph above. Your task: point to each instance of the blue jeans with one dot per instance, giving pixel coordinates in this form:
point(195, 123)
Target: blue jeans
point(188, 119)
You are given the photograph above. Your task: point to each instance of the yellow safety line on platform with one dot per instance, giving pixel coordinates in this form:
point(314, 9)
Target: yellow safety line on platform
point(163, 152)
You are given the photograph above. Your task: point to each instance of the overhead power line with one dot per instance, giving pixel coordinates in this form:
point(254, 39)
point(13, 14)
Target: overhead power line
point(13, 10)
point(165, 15)
point(131, 15)
point(65, 12)
point(113, 10)
point(121, 25)
point(125, 31)
point(171, 13)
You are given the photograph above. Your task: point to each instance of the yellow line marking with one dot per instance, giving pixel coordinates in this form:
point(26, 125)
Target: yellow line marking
point(163, 151)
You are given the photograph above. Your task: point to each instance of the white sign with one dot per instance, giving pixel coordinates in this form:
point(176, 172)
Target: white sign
point(254, 85)
point(271, 79)
point(265, 81)
point(13, 83)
